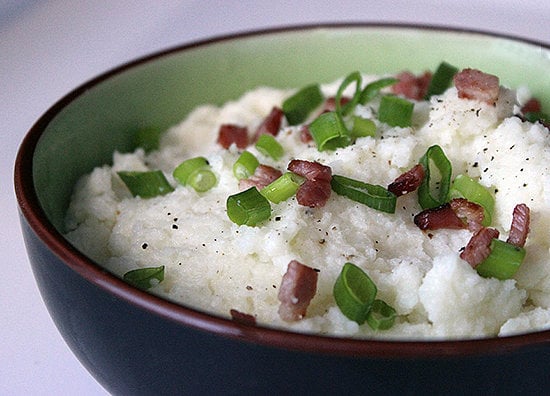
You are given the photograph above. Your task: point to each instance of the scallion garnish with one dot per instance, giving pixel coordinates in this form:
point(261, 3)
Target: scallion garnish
point(381, 315)
point(248, 207)
point(356, 78)
point(245, 165)
point(372, 89)
point(465, 187)
point(374, 196)
point(148, 138)
point(196, 173)
point(144, 278)
point(503, 261)
point(441, 80)
point(329, 131)
point(354, 293)
point(298, 106)
point(269, 146)
point(147, 184)
point(362, 127)
point(434, 159)
point(395, 111)
point(282, 188)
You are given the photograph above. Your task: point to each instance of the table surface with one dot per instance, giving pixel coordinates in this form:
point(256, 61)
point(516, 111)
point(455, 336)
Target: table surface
point(48, 48)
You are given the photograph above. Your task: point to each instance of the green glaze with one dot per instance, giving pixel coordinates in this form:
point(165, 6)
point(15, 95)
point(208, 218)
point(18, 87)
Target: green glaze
point(83, 130)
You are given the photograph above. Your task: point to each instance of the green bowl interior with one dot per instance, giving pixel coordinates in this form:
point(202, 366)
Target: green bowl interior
point(102, 116)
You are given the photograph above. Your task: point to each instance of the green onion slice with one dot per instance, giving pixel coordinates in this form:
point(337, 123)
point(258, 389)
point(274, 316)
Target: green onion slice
point(372, 89)
point(503, 261)
point(434, 159)
point(362, 127)
point(376, 197)
point(148, 139)
point(441, 80)
point(245, 166)
point(298, 106)
point(196, 173)
point(381, 315)
point(395, 111)
point(146, 184)
point(248, 207)
point(269, 146)
point(350, 79)
point(534, 116)
point(465, 187)
point(144, 278)
point(329, 132)
point(282, 188)
point(354, 293)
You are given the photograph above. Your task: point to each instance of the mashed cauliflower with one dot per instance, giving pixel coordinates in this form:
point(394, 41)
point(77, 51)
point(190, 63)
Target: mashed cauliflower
point(214, 265)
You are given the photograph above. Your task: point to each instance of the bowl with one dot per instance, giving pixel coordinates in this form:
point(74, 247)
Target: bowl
point(135, 343)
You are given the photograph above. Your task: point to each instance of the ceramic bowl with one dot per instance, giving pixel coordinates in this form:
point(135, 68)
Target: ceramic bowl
point(136, 343)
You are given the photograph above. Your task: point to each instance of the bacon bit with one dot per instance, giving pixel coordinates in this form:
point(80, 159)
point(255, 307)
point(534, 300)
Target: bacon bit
point(298, 287)
point(263, 175)
point(310, 170)
point(330, 103)
point(305, 134)
point(271, 124)
point(520, 225)
point(408, 181)
point(230, 133)
point(478, 248)
point(442, 216)
point(477, 85)
point(411, 86)
point(469, 212)
point(532, 106)
point(242, 318)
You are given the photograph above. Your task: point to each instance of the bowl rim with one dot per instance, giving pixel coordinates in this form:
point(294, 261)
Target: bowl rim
point(31, 211)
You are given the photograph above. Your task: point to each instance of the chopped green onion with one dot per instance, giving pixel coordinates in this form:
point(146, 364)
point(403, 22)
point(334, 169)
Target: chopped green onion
point(298, 106)
point(248, 207)
point(144, 278)
point(196, 173)
point(372, 89)
point(465, 187)
point(245, 165)
point(146, 184)
point(282, 188)
point(329, 131)
point(350, 79)
point(269, 146)
point(441, 80)
point(354, 293)
point(434, 157)
point(148, 139)
point(363, 127)
point(503, 261)
point(376, 197)
point(381, 316)
point(534, 116)
point(395, 111)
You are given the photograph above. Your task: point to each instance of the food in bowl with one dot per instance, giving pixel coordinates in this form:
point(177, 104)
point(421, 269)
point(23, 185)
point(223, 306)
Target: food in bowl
point(355, 217)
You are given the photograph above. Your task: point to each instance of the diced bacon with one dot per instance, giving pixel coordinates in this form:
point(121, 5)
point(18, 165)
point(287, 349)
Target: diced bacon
point(477, 85)
point(231, 133)
point(242, 318)
point(298, 287)
point(408, 181)
point(330, 103)
point(310, 170)
point(314, 193)
point(520, 225)
point(263, 175)
point(469, 212)
point(440, 217)
point(271, 124)
point(531, 106)
point(305, 134)
point(411, 86)
point(478, 248)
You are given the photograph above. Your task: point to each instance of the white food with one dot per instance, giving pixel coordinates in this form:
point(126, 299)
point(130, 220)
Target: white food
point(212, 264)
